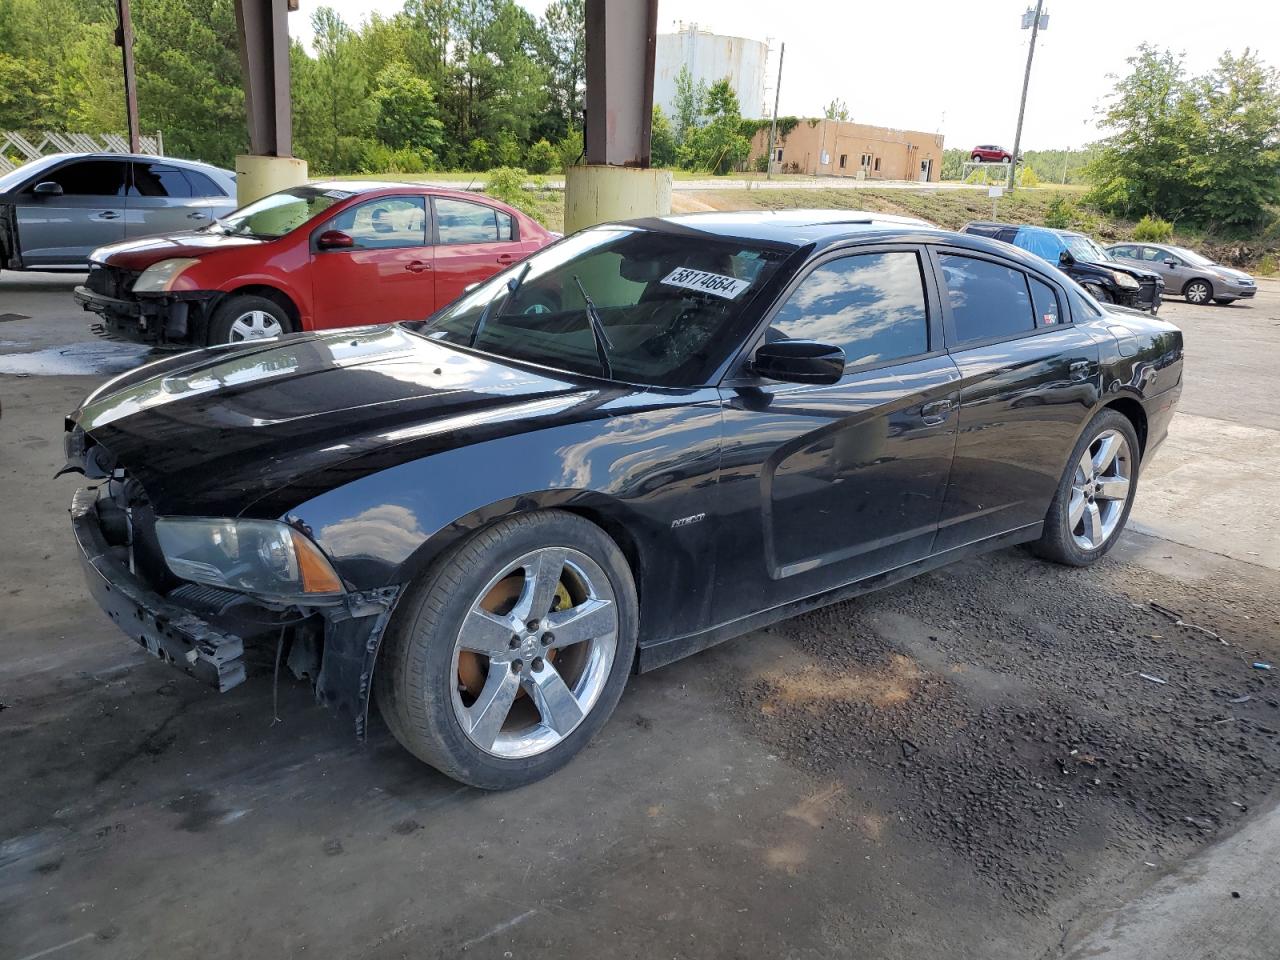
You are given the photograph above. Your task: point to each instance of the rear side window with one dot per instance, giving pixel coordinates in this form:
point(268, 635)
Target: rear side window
point(202, 186)
point(158, 180)
point(1047, 306)
point(987, 299)
point(871, 305)
point(461, 222)
point(90, 178)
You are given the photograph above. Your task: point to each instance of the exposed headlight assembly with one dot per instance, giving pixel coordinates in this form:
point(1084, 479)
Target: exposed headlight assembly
point(159, 277)
point(1124, 281)
point(265, 558)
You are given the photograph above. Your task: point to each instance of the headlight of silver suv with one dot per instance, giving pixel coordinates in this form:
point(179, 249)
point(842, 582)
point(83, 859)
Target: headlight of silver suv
point(159, 277)
point(266, 558)
point(1124, 281)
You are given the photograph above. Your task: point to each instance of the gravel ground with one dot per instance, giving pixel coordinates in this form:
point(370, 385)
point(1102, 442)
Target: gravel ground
point(1022, 733)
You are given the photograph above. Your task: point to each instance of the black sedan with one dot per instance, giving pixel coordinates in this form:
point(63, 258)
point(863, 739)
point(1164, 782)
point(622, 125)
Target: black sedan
point(647, 438)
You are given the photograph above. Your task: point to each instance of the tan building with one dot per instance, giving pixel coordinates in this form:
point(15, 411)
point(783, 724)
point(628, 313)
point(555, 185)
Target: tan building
point(841, 148)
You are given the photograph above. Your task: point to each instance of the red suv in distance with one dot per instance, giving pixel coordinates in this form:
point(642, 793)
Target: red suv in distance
point(323, 255)
point(990, 153)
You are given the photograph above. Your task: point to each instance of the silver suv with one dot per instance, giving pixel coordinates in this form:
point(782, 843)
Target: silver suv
point(1186, 272)
point(56, 210)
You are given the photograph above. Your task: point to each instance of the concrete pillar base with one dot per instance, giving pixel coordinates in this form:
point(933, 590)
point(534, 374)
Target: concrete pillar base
point(258, 176)
point(597, 194)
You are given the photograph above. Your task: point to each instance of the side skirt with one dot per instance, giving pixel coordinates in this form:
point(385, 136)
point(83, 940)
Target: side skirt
point(668, 651)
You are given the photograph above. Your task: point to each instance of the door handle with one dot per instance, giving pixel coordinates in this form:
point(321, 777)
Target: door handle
point(108, 215)
point(506, 258)
point(196, 216)
point(1079, 369)
point(936, 412)
point(417, 266)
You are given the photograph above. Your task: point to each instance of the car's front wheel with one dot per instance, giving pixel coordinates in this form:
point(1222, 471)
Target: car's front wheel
point(1198, 291)
point(1095, 494)
point(512, 651)
point(244, 317)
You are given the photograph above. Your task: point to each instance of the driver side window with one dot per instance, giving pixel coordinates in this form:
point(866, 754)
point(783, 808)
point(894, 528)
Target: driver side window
point(870, 305)
point(385, 224)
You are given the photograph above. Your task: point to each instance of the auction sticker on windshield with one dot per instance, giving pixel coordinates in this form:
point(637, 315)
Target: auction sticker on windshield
point(712, 283)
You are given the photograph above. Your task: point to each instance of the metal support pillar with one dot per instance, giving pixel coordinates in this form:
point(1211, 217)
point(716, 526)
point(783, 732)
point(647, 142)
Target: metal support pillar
point(263, 29)
point(124, 40)
point(616, 183)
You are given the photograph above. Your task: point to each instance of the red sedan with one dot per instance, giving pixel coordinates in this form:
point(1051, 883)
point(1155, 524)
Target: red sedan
point(323, 255)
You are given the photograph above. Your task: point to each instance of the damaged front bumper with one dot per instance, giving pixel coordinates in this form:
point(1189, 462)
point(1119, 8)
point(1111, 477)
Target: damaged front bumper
point(158, 320)
point(204, 630)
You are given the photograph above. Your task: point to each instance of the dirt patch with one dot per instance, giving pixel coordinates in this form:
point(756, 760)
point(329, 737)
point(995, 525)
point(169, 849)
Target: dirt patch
point(1000, 708)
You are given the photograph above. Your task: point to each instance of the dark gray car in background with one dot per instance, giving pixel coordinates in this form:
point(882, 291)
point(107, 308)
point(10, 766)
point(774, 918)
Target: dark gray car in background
point(1185, 272)
point(56, 210)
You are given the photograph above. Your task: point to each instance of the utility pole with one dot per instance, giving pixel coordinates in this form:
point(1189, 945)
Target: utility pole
point(124, 40)
point(773, 127)
point(1026, 80)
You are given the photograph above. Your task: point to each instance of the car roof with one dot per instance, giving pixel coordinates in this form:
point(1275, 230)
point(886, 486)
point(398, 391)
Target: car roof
point(996, 224)
point(108, 155)
point(394, 186)
point(791, 228)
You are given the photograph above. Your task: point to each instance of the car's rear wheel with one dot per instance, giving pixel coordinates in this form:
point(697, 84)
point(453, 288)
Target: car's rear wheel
point(976, 158)
point(512, 651)
point(1198, 291)
point(246, 317)
point(1095, 494)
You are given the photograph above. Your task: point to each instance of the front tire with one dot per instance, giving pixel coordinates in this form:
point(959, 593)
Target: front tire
point(512, 651)
point(1101, 294)
point(244, 317)
point(1091, 505)
point(1198, 292)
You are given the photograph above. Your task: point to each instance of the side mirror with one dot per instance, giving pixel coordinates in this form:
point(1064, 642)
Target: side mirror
point(48, 188)
point(798, 361)
point(1170, 262)
point(334, 240)
point(1065, 259)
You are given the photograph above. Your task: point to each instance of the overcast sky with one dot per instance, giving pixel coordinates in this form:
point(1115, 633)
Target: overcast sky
point(955, 67)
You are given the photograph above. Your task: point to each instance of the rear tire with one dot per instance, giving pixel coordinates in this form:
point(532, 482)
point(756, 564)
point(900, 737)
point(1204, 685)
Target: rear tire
point(1091, 505)
point(244, 317)
point(438, 691)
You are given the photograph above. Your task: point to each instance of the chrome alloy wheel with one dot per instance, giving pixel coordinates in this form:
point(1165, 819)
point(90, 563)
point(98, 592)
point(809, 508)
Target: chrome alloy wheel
point(1099, 490)
point(534, 652)
point(255, 325)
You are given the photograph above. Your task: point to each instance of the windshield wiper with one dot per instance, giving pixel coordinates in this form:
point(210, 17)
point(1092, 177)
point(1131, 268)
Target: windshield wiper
point(597, 331)
point(512, 286)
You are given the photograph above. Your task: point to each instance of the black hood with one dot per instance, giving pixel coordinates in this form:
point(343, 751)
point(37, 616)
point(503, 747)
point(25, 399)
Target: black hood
point(211, 431)
point(1137, 273)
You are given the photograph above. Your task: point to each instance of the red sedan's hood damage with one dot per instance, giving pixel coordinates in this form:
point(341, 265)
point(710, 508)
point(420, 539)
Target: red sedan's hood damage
point(142, 253)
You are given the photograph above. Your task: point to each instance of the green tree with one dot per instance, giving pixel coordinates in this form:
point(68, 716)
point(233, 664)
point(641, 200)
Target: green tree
point(663, 147)
point(837, 109)
point(333, 113)
point(689, 106)
point(541, 157)
point(719, 145)
point(564, 26)
point(406, 110)
point(1237, 168)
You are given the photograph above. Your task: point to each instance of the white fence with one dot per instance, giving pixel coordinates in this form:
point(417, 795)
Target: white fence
point(18, 148)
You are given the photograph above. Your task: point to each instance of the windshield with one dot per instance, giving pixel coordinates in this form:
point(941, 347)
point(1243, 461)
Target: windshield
point(280, 213)
point(1082, 248)
point(668, 305)
point(1192, 257)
